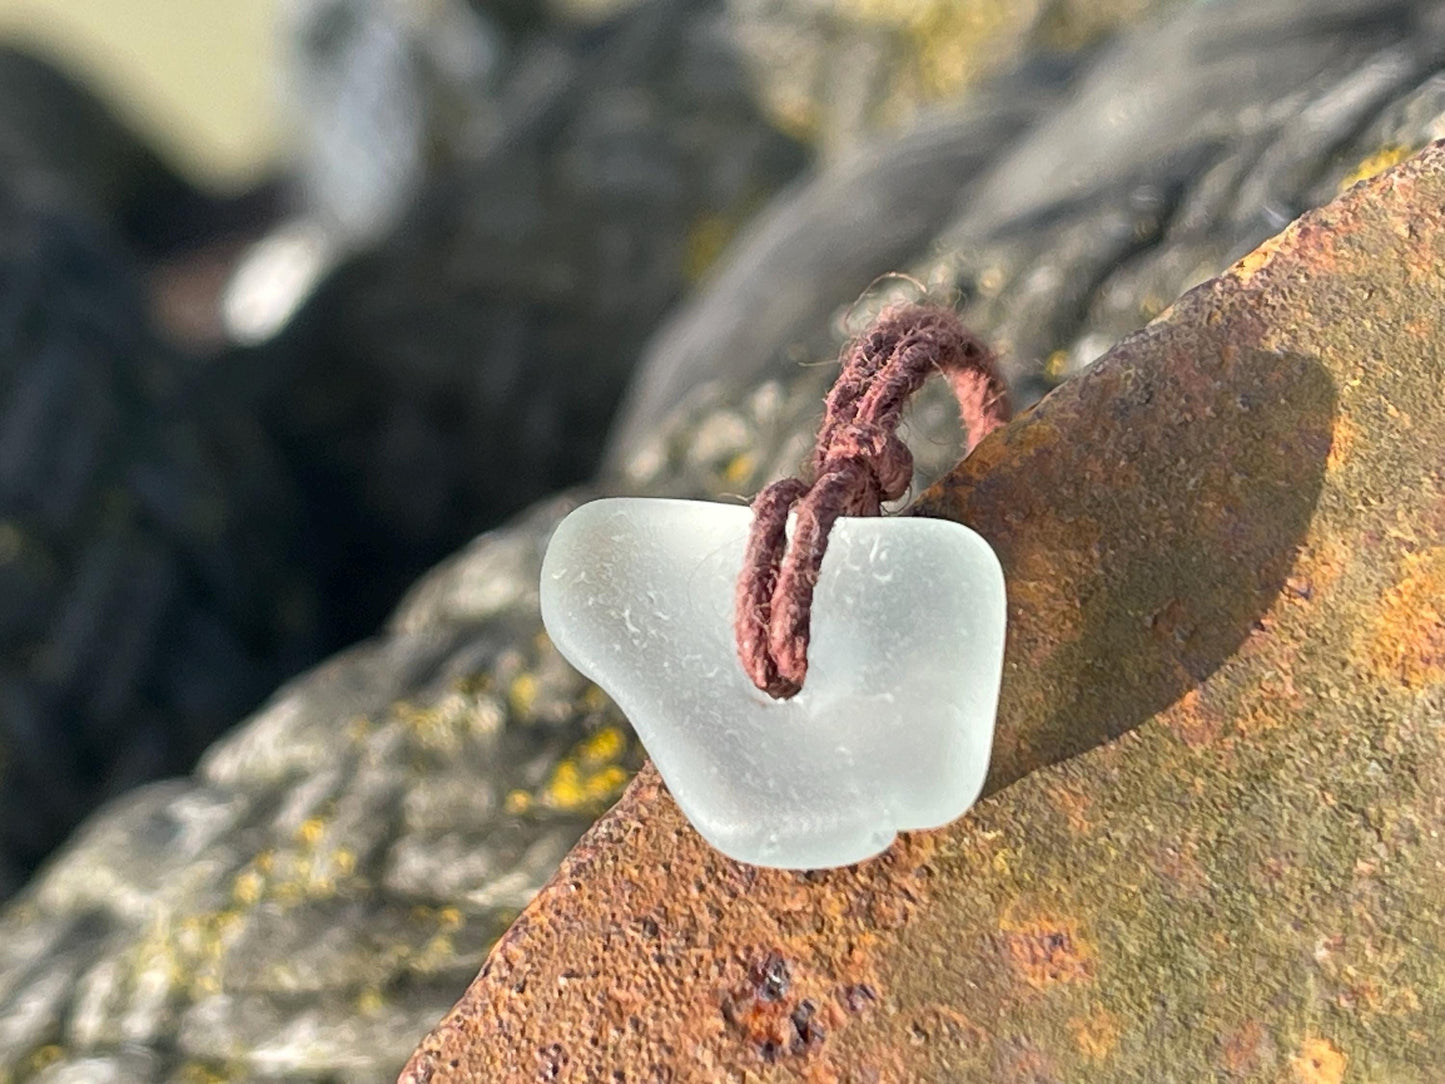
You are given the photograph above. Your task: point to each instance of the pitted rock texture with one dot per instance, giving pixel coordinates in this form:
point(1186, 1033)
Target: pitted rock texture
point(368, 835)
point(1224, 544)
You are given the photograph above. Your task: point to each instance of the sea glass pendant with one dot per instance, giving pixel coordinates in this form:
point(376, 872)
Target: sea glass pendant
point(894, 724)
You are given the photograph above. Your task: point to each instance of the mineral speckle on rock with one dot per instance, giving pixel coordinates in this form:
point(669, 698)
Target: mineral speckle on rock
point(326, 884)
point(470, 363)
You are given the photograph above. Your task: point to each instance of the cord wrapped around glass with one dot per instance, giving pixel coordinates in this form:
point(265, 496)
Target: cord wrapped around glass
point(893, 727)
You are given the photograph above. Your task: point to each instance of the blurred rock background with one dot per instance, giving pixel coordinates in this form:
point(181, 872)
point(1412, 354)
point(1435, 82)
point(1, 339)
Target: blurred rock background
point(301, 295)
point(247, 401)
point(243, 406)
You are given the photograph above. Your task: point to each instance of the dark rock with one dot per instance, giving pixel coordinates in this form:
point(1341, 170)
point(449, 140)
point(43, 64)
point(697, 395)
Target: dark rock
point(58, 140)
point(1175, 150)
point(500, 322)
point(424, 785)
point(148, 591)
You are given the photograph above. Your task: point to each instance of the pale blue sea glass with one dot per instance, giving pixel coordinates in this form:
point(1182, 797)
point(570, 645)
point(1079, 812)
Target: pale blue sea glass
point(895, 721)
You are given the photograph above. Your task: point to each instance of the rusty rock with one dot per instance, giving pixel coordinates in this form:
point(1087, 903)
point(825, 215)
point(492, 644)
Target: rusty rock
point(1215, 843)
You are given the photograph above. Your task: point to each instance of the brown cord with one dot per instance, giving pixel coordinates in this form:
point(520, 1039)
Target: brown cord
point(858, 463)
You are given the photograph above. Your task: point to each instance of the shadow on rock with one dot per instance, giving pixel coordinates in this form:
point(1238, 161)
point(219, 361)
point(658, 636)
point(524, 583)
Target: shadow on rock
point(1136, 571)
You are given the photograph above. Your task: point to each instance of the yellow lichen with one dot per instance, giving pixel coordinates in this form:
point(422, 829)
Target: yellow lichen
point(194, 1073)
point(1391, 154)
point(449, 918)
point(44, 1057)
point(246, 889)
point(739, 468)
point(571, 789)
point(1057, 366)
point(309, 833)
point(522, 695)
point(603, 747)
point(451, 720)
point(436, 953)
point(949, 43)
point(587, 779)
point(706, 239)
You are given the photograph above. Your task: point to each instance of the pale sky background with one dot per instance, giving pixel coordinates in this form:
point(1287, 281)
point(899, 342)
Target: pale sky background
point(194, 76)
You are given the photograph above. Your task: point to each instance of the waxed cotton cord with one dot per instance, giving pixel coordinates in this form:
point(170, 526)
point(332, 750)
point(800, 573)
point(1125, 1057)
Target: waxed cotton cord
point(858, 462)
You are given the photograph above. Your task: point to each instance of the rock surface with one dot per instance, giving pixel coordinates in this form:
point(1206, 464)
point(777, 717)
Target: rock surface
point(149, 591)
point(1226, 552)
point(837, 71)
point(60, 140)
point(313, 899)
point(1084, 212)
point(500, 322)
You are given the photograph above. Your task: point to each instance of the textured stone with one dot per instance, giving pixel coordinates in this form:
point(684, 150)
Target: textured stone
point(575, 197)
point(148, 589)
point(1220, 544)
point(457, 692)
point(1147, 171)
point(836, 70)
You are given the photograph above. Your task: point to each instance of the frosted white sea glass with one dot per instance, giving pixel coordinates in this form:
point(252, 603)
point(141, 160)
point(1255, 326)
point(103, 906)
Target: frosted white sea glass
point(895, 721)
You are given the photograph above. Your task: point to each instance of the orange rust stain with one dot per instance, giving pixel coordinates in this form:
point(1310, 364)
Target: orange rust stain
point(1422, 327)
point(1096, 1034)
point(1323, 563)
point(1258, 721)
point(1310, 241)
point(1250, 266)
point(1365, 994)
point(1407, 640)
point(1046, 951)
point(1026, 1065)
point(1193, 721)
point(1039, 436)
point(1345, 436)
point(1246, 1049)
point(1074, 804)
point(1318, 1062)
